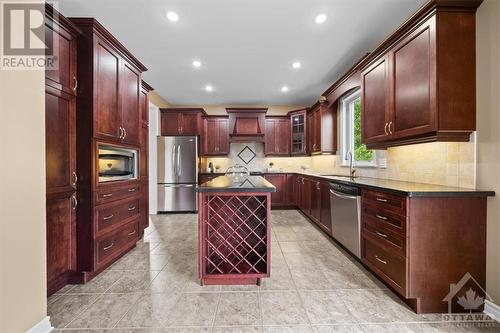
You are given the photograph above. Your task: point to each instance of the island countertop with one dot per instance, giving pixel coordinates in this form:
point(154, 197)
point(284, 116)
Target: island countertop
point(241, 184)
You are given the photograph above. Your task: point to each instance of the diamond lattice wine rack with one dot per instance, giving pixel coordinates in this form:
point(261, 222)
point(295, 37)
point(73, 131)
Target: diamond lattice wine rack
point(234, 238)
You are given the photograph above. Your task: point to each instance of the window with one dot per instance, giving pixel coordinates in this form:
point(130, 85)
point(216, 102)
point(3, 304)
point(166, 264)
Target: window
point(350, 111)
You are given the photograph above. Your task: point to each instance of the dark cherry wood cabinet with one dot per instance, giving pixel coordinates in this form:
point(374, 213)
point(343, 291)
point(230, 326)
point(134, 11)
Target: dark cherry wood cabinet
point(60, 152)
point(298, 129)
point(325, 219)
point(277, 140)
point(112, 109)
point(419, 85)
point(247, 124)
point(291, 189)
point(322, 124)
point(315, 193)
point(304, 188)
point(181, 121)
point(278, 198)
point(215, 137)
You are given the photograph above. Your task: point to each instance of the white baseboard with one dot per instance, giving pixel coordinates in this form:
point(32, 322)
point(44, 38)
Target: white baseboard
point(43, 326)
point(492, 310)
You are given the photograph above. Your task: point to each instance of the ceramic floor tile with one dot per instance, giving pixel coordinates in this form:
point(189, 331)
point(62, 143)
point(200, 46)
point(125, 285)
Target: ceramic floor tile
point(242, 329)
point(170, 280)
point(100, 284)
point(133, 281)
point(105, 312)
point(325, 307)
point(149, 311)
point(282, 308)
point(194, 310)
point(280, 279)
point(288, 329)
point(187, 330)
point(310, 279)
point(65, 308)
point(340, 329)
point(238, 309)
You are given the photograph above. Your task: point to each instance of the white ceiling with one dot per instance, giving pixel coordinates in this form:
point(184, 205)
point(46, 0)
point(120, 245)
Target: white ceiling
point(246, 46)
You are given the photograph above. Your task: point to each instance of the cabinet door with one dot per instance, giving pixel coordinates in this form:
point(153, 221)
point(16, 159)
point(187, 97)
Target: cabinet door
point(375, 102)
point(107, 103)
point(278, 198)
point(130, 85)
point(413, 63)
point(210, 136)
point(325, 216)
point(144, 103)
point(305, 196)
point(170, 123)
point(316, 132)
point(223, 136)
point(282, 140)
point(270, 143)
point(315, 200)
point(144, 209)
point(144, 135)
point(298, 140)
point(291, 190)
point(60, 141)
point(190, 123)
point(61, 239)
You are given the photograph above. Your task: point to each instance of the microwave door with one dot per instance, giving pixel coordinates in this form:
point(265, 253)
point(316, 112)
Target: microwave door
point(167, 160)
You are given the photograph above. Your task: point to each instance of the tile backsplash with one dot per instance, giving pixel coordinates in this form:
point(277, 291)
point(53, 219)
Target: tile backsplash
point(442, 163)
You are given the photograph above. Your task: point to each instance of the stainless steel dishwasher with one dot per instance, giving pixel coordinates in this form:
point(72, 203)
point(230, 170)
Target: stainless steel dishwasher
point(346, 222)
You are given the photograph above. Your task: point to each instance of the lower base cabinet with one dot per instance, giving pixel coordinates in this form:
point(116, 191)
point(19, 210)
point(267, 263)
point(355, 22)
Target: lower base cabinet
point(278, 198)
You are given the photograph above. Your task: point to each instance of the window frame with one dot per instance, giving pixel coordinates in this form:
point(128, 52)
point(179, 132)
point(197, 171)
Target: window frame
point(346, 111)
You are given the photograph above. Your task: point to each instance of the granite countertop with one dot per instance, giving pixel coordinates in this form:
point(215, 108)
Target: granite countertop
point(241, 184)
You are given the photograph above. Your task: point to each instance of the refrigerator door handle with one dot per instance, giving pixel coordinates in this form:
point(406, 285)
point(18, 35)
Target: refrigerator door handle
point(179, 185)
point(179, 163)
point(173, 160)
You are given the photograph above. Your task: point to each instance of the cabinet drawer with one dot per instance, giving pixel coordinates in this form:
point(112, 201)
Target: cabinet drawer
point(391, 202)
point(111, 215)
point(111, 246)
point(390, 221)
point(390, 267)
point(114, 193)
point(376, 230)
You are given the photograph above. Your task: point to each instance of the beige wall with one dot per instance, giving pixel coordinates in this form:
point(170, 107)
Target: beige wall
point(488, 124)
point(23, 301)
point(157, 100)
point(273, 110)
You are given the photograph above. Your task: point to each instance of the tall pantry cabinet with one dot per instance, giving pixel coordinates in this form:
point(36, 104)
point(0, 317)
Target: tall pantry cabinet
point(60, 152)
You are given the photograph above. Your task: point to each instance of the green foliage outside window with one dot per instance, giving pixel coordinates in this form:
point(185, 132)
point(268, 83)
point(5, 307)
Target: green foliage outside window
point(361, 153)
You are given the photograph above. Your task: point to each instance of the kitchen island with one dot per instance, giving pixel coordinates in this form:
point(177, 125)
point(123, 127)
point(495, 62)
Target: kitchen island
point(234, 230)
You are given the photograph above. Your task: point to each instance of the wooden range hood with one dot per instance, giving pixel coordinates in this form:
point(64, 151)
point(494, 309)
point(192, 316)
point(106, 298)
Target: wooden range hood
point(247, 124)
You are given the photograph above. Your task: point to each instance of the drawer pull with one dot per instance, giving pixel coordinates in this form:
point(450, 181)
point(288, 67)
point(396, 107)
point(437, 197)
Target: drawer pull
point(108, 247)
point(381, 234)
point(382, 217)
point(133, 232)
point(131, 190)
point(107, 195)
point(108, 217)
point(380, 260)
point(381, 199)
point(131, 208)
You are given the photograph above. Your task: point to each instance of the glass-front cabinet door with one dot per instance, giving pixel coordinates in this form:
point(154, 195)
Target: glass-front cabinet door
point(298, 124)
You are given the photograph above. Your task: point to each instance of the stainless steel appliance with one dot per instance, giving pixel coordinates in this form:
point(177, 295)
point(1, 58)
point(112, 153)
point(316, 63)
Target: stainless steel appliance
point(117, 163)
point(177, 173)
point(346, 221)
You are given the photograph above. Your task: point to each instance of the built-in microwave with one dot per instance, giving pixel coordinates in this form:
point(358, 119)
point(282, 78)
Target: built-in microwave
point(117, 163)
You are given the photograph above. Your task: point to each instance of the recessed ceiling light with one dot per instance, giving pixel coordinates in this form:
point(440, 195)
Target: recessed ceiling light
point(321, 18)
point(196, 63)
point(209, 88)
point(172, 16)
point(284, 89)
point(296, 64)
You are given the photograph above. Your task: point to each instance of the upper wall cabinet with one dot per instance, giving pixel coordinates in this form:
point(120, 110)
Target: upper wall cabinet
point(419, 85)
point(298, 128)
point(181, 121)
point(322, 124)
point(247, 124)
point(109, 82)
point(277, 142)
point(215, 137)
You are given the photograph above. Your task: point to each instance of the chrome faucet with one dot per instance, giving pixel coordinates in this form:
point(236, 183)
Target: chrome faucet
point(352, 171)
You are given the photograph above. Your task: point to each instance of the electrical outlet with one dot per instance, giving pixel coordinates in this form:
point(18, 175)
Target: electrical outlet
point(382, 163)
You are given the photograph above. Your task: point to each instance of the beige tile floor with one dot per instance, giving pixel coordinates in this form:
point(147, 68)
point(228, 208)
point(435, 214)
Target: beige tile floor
point(314, 287)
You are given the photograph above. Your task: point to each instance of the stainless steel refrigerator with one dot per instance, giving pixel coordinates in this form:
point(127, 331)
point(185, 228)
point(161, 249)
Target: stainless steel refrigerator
point(177, 173)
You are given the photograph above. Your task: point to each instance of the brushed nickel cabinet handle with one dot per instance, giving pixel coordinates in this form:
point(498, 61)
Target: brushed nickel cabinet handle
point(131, 208)
point(389, 127)
point(108, 247)
point(121, 132)
point(131, 189)
point(124, 133)
point(108, 217)
point(131, 233)
point(75, 201)
point(381, 234)
point(317, 186)
point(75, 83)
point(381, 199)
point(381, 217)
point(107, 195)
point(75, 178)
point(380, 260)
point(385, 129)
